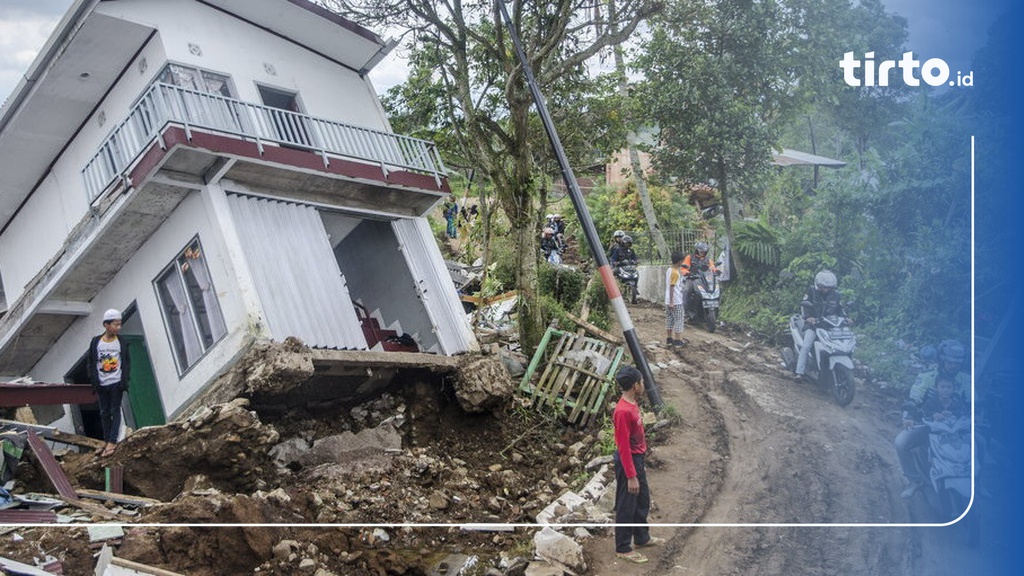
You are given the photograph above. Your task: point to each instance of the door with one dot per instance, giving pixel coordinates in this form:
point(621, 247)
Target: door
point(284, 115)
point(143, 394)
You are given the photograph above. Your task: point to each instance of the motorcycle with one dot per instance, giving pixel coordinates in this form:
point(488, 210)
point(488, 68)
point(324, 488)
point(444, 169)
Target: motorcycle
point(948, 462)
point(831, 362)
point(704, 299)
point(628, 277)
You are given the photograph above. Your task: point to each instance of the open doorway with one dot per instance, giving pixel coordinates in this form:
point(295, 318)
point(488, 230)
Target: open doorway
point(289, 126)
point(142, 405)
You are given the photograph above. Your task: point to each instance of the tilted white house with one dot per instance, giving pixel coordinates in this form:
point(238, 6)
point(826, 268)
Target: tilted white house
point(221, 170)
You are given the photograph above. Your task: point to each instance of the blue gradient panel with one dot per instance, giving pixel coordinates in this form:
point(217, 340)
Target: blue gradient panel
point(994, 54)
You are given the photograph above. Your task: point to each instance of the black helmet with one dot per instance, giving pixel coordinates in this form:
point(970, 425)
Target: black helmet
point(952, 351)
point(627, 239)
point(701, 247)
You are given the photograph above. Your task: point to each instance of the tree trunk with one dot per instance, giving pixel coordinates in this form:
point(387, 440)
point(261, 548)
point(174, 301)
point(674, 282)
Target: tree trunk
point(723, 189)
point(634, 162)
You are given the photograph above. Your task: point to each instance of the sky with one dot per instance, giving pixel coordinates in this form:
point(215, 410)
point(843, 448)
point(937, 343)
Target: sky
point(947, 29)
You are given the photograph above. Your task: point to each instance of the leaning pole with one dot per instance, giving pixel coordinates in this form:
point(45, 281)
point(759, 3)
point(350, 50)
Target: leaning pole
point(586, 222)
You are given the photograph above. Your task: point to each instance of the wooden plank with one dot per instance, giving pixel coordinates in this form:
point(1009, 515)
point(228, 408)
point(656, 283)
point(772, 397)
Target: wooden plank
point(595, 330)
point(52, 468)
point(124, 499)
point(541, 384)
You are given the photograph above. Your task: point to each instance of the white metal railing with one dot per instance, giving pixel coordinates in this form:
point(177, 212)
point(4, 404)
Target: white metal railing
point(165, 103)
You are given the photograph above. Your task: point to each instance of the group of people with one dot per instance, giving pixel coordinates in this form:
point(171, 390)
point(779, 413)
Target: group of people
point(939, 394)
point(451, 214)
point(679, 280)
point(552, 238)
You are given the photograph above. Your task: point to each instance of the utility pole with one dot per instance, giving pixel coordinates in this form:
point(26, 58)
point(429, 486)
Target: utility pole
point(586, 222)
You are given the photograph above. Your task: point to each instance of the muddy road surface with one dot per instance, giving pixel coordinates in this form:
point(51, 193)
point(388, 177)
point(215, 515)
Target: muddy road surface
point(760, 452)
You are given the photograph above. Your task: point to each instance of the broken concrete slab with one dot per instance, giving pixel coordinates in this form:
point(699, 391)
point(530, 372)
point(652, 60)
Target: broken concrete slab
point(556, 547)
point(482, 384)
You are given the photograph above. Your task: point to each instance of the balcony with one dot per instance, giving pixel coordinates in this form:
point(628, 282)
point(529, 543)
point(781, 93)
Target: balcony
point(165, 104)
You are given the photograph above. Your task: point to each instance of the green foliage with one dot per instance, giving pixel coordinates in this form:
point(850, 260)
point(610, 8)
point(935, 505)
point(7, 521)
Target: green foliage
point(758, 243)
point(562, 284)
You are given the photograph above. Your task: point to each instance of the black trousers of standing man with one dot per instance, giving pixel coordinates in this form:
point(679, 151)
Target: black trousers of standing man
point(631, 508)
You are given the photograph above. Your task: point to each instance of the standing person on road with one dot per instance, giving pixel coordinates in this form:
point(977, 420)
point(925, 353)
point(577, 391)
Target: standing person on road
point(632, 495)
point(675, 294)
point(109, 364)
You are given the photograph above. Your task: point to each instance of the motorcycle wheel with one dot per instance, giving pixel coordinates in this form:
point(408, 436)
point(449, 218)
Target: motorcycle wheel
point(956, 504)
point(789, 358)
point(632, 293)
point(711, 316)
point(842, 387)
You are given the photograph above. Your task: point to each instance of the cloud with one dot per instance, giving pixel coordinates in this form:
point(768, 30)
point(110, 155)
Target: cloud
point(22, 34)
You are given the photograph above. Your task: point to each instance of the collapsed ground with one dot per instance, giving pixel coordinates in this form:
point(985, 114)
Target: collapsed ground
point(754, 446)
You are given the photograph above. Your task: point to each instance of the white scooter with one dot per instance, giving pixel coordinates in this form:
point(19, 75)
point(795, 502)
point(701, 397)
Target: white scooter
point(831, 358)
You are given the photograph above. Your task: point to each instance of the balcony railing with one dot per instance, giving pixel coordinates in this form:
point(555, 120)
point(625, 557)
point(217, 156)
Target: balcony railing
point(165, 103)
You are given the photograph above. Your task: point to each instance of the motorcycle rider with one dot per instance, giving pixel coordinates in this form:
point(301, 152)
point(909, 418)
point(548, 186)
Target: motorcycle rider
point(951, 358)
point(613, 250)
point(549, 246)
point(821, 299)
point(625, 253)
point(697, 263)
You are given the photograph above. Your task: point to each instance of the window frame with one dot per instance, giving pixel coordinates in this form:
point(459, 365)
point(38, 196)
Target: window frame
point(217, 324)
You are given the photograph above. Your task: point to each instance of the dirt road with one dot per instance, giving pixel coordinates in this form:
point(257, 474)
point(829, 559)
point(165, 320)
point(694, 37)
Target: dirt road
point(759, 447)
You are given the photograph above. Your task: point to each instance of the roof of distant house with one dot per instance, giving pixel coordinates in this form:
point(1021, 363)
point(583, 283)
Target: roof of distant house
point(796, 158)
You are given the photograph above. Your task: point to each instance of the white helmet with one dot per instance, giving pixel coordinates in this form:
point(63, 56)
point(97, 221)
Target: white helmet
point(618, 234)
point(825, 279)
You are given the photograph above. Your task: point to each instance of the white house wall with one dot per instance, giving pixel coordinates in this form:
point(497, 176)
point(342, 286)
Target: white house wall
point(38, 231)
point(252, 56)
point(225, 45)
point(134, 283)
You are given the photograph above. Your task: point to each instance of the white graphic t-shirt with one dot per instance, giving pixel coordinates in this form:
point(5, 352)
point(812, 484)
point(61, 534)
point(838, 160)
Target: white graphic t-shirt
point(109, 362)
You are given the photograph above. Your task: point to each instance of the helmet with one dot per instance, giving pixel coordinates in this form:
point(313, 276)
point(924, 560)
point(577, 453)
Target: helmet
point(618, 234)
point(825, 279)
point(952, 351)
point(549, 216)
point(548, 231)
point(557, 216)
point(627, 239)
point(701, 247)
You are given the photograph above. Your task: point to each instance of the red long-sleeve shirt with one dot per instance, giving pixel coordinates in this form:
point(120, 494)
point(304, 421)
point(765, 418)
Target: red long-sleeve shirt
point(629, 434)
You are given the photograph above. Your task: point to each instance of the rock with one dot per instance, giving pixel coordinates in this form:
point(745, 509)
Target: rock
point(599, 461)
point(380, 535)
point(482, 384)
point(438, 501)
point(557, 547)
point(278, 368)
point(307, 565)
point(283, 549)
point(343, 447)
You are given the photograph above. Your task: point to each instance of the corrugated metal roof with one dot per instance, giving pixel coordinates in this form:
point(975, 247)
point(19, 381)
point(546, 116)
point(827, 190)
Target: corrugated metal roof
point(434, 284)
point(302, 290)
point(796, 158)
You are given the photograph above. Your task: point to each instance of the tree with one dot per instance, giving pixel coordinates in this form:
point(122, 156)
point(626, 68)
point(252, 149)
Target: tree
point(718, 85)
point(476, 88)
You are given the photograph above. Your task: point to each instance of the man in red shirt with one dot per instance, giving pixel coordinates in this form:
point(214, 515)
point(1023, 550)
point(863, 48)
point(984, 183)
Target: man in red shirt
point(632, 496)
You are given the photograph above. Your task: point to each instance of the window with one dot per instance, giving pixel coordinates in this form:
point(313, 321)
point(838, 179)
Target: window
point(195, 79)
point(204, 98)
point(189, 304)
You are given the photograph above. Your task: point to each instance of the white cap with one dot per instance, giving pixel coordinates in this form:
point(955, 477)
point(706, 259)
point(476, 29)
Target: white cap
point(111, 315)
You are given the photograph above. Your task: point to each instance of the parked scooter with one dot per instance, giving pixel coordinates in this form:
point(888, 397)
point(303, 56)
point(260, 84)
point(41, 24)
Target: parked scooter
point(831, 361)
point(629, 278)
point(948, 462)
point(703, 301)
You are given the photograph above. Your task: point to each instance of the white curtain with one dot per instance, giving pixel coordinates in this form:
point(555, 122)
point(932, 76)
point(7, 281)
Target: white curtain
point(214, 320)
point(180, 314)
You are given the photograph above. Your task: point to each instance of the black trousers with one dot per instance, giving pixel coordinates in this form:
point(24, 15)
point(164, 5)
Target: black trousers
point(631, 508)
point(110, 411)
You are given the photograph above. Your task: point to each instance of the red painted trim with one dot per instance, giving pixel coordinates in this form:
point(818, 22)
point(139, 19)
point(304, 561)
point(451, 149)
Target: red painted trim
point(221, 144)
point(608, 279)
point(52, 468)
point(28, 517)
point(38, 394)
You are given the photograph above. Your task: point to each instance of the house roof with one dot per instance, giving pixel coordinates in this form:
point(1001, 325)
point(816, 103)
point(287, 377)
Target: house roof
point(796, 158)
point(90, 50)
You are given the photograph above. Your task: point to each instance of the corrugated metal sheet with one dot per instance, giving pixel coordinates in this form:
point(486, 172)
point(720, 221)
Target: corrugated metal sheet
point(434, 284)
point(297, 277)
